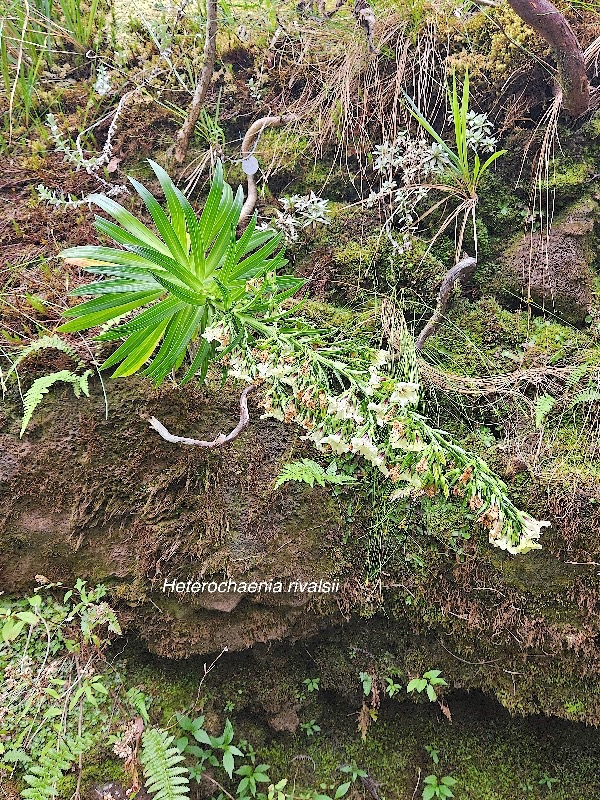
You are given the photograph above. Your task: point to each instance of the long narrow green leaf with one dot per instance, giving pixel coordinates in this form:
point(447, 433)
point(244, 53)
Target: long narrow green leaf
point(182, 327)
point(243, 243)
point(173, 202)
point(162, 222)
point(196, 244)
point(192, 298)
point(222, 213)
point(491, 160)
point(245, 267)
point(116, 309)
point(199, 363)
point(129, 222)
point(108, 254)
point(257, 240)
point(115, 286)
point(231, 209)
point(169, 265)
point(125, 237)
point(146, 319)
point(415, 112)
point(102, 303)
point(221, 243)
point(212, 203)
point(138, 356)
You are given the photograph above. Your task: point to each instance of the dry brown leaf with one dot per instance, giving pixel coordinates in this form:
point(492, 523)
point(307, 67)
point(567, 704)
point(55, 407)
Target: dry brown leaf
point(364, 720)
point(83, 262)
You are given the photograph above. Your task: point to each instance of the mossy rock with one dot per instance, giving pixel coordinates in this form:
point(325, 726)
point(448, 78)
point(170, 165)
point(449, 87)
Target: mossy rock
point(554, 272)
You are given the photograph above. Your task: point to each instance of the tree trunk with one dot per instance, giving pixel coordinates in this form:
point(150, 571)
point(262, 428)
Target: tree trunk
point(548, 22)
point(210, 54)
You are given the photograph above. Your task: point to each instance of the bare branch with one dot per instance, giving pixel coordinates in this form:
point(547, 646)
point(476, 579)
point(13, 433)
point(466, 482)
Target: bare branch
point(248, 144)
point(464, 267)
point(365, 16)
point(210, 55)
point(335, 9)
point(221, 438)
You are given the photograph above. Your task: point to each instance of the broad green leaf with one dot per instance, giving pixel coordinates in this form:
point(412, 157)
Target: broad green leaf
point(28, 617)
point(228, 763)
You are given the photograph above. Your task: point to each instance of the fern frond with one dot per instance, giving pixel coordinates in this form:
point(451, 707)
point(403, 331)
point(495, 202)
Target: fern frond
point(308, 471)
point(42, 385)
point(164, 776)
point(53, 342)
point(543, 406)
point(589, 395)
point(42, 777)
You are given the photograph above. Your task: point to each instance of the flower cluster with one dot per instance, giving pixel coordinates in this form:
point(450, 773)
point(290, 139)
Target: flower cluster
point(373, 415)
point(412, 162)
point(301, 211)
point(405, 156)
point(479, 133)
point(102, 85)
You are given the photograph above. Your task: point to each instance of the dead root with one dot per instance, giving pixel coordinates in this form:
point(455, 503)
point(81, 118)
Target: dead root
point(221, 438)
point(248, 145)
point(464, 268)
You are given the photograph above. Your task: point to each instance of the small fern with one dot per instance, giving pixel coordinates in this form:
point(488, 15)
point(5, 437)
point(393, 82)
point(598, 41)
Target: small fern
point(43, 776)
point(53, 342)
point(577, 374)
point(589, 395)
point(42, 385)
point(308, 471)
point(164, 776)
point(543, 406)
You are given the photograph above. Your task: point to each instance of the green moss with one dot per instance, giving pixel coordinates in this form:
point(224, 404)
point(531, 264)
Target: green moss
point(501, 760)
point(97, 770)
point(355, 257)
point(475, 335)
point(567, 176)
point(172, 688)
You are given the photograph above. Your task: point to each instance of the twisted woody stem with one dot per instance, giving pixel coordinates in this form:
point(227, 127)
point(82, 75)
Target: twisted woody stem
point(248, 145)
point(221, 438)
point(548, 22)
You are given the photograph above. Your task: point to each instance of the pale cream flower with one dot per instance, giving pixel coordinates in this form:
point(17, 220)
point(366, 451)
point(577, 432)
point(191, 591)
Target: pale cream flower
point(316, 437)
point(405, 394)
point(380, 410)
point(337, 443)
point(274, 413)
point(238, 369)
point(412, 485)
point(343, 408)
point(375, 379)
point(532, 529)
point(381, 358)
point(216, 333)
point(363, 446)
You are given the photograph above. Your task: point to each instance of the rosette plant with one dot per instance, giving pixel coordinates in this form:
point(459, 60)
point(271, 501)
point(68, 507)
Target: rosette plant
point(195, 271)
point(194, 286)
